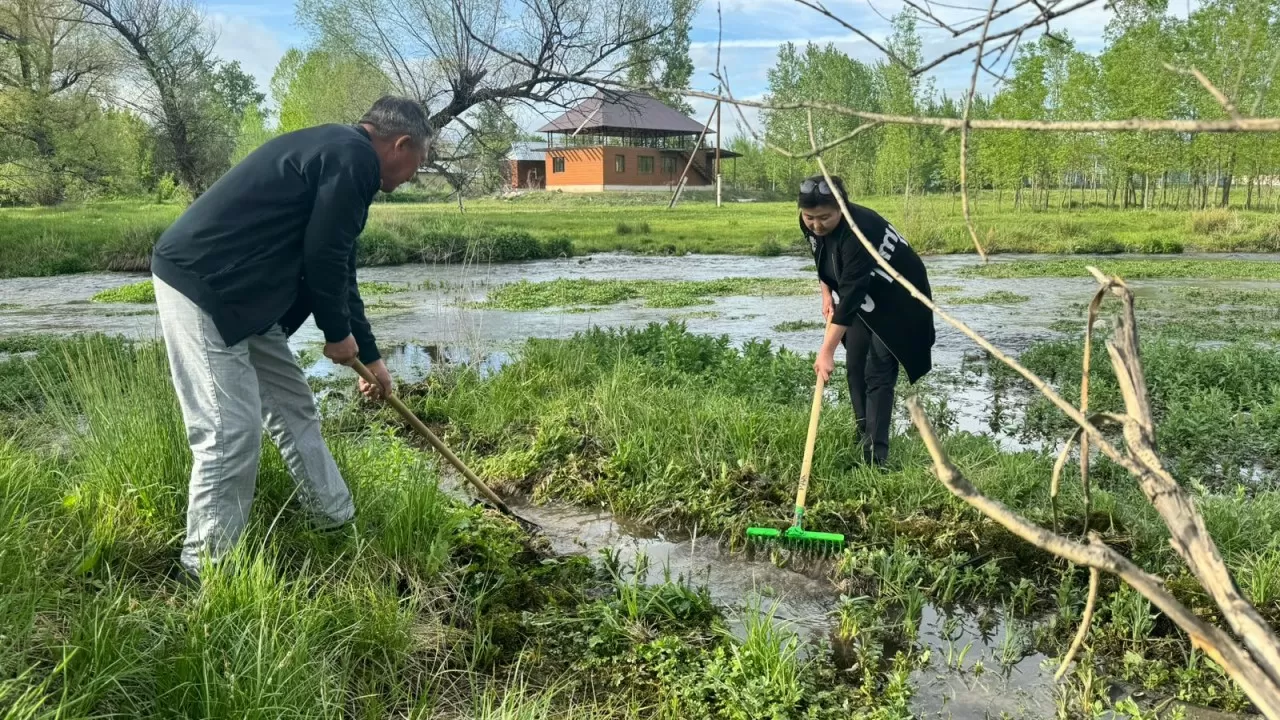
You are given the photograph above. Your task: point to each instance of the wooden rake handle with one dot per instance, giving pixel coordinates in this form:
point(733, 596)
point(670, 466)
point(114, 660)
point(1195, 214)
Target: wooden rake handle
point(436, 442)
point(809, 443)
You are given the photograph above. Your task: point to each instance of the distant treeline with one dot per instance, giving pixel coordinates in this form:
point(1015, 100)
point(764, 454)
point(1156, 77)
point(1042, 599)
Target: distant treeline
point(1234, 43)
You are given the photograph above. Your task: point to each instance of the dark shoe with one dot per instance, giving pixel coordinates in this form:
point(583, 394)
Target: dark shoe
point(184, 577)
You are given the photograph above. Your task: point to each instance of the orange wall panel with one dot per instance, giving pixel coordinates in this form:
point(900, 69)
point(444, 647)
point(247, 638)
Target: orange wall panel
point(582, 166)
point(595, 168)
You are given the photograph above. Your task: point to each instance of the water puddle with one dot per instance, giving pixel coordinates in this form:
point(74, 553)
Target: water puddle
point(979, 665)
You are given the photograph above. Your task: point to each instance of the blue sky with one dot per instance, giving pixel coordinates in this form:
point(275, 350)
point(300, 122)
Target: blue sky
point(258, 33)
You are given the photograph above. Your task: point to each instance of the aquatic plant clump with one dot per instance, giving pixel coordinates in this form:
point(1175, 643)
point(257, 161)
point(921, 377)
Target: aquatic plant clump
point(563, 292)
point(139, 292)
point(996, 297)
point(1209, 269)
point(145, 292)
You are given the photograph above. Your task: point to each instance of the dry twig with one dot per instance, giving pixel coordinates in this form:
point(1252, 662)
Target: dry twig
point(1085, 621)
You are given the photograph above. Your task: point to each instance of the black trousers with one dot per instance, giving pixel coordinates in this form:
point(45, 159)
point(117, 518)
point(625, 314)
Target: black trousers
point(873, 372)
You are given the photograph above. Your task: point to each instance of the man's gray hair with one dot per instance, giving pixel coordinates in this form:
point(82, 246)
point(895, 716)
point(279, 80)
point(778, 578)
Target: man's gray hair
point(393, 116)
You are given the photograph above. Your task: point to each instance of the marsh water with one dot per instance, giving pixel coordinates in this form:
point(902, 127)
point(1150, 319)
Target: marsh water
point(430, 323)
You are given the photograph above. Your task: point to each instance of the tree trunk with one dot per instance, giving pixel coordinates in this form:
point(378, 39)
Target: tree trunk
point(1146, 191)
point(1164, 189)
point(1227, 179)
point(1248, 198)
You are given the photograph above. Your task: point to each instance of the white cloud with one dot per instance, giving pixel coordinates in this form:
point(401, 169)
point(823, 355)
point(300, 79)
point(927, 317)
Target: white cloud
point(768, 43)
point(247, 39)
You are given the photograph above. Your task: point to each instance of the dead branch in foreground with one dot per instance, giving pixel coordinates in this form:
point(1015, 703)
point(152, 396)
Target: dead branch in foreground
point(1254, 664)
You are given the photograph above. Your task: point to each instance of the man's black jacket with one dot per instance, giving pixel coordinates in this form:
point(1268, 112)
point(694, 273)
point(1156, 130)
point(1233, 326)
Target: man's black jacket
point(274, 239)
point(865, 291)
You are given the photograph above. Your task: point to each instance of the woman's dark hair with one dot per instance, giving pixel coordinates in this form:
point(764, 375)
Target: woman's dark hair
point(814, 192)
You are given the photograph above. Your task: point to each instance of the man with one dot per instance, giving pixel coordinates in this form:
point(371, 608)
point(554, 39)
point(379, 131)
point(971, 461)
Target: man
point(877, 320)
point(271, 243)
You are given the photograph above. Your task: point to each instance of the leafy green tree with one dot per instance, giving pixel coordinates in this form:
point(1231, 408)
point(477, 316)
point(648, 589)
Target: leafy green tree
point(663, 60)
point(325, 86)
point(900, 163)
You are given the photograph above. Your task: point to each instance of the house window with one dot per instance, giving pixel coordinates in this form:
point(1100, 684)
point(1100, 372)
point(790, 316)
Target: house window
point(557, 164)
point(669, 166)
point(619, 163)
point(646, 165)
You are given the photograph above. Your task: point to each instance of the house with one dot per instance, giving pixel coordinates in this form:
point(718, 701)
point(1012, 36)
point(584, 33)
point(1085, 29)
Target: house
point(618, 141)
point(528, 166)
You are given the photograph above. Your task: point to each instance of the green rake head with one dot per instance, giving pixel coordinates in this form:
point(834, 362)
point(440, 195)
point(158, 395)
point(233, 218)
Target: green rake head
point(797, 538)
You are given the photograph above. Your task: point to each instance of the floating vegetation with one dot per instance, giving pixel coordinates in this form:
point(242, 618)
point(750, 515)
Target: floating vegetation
point(996, 297)
point(1130, 269)
point(145, 292)
point(526, 295)
point(139, 292)
point(797, 326)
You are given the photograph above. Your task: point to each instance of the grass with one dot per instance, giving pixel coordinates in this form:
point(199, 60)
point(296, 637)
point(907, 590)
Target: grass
point(1130, 269)
point(145, 292)
point(526, 295)
point(432, 608)
point(119, 235)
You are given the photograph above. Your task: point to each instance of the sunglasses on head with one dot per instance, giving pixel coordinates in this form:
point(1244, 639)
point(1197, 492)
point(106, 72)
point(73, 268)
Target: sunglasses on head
point(809, 186)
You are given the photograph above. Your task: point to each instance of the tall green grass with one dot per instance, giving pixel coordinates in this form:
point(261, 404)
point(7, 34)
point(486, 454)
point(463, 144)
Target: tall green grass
point(431, 608)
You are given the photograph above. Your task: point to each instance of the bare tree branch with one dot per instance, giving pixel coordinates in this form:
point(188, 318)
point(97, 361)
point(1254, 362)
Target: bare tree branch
point(1215, 643)
point(964, 137)
point(1217, 94)
point(816, 5)
point(1041, 19)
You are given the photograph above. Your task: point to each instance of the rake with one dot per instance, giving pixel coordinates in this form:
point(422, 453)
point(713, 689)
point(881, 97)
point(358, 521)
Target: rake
point(438, 444)
point(796, 537)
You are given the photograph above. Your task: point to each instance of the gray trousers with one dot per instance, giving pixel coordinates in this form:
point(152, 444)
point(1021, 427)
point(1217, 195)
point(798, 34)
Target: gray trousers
point(228, 395)
point(873, 373)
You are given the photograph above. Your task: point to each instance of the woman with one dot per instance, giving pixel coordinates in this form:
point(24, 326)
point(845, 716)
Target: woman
point(877, 320)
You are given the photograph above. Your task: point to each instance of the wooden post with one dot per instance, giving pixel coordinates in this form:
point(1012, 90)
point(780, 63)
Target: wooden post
point(719, 140)
point(692, 154)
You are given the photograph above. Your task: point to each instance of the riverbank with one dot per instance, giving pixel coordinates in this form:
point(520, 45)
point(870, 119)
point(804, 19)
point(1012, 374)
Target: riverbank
point(119, 235)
